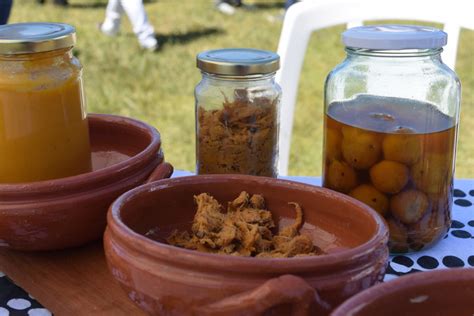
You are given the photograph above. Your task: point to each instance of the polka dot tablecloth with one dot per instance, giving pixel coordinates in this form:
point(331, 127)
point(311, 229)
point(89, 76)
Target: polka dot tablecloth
point(14, 301)
point(455, 250)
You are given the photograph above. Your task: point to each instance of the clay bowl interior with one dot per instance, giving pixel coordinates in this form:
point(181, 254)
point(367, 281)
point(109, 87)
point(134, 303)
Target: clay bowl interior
point(332, 228)
point(60, 213)
point(353, 236)
point(113, 143)
point(444, 292)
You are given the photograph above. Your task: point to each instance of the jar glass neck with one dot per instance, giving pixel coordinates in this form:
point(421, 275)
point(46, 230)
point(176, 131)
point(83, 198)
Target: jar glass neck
point(64, 52)
point(256, 77)
point(403, 53)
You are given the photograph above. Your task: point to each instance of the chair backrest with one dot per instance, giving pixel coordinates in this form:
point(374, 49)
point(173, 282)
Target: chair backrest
point(305, 17)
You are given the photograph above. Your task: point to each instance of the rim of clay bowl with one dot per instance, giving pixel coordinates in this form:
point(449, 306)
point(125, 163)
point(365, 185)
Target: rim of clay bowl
point(70, 183)
point(170, 253)
point(425, 278)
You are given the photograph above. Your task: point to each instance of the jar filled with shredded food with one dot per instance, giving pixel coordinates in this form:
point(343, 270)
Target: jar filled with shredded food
point(237, 103)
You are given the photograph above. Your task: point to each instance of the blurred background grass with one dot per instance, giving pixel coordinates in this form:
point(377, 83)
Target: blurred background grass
point(120, 78)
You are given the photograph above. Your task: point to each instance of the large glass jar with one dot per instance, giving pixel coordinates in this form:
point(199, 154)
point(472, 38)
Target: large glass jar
point(237, 103)
point(392, 113)
point(43, 124)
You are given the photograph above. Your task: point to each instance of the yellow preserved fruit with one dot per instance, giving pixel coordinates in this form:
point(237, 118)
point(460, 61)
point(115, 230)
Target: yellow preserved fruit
point(340, 176)
point(403, 148)
point(431, 227)
point(403, 158)
point(332, 144)
point(432, 173)
point(361, 149)
point(398, 236)
point(409, 206)
point(372, 197)
point(389, 176)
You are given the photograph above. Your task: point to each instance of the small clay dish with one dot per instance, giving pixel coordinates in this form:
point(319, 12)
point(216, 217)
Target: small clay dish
point(442, 292)
point(167, 280)
point(68, 212)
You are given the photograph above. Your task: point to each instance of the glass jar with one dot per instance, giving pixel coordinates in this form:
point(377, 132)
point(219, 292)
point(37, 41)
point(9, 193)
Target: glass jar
point(43, 124)
point(237, 104)
point(391, 121)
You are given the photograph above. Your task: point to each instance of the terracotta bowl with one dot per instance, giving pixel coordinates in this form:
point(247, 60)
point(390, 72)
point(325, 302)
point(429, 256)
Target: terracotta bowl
point(166, 280)
point(61, 213)
point(443, 292)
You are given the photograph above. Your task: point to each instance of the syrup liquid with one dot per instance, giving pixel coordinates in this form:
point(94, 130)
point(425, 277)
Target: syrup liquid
point(397, 156)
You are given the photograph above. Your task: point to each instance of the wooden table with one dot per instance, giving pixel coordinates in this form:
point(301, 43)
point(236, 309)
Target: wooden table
point(70, 282)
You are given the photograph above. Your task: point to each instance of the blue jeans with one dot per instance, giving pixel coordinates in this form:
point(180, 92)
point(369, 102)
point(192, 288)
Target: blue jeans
point(5, 7)
point(289, 3)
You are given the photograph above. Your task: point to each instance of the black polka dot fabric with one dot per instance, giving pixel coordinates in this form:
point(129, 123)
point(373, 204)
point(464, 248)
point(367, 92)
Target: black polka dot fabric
point(453, 262)
point(461, 233)
point(463, 202)
point(428, 262)
point(16, 302)
point(456, 224)
point(455, 250)
point(458, 193)
point(470, 260)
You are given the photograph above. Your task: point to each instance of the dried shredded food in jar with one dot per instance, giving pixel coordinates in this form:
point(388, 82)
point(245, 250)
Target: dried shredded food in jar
point(244, 230)
point(241, 137)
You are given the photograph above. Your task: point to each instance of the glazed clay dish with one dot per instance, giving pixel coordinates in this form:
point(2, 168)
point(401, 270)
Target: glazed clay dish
point(62, 213)
point(448, 292)
point(167, 280)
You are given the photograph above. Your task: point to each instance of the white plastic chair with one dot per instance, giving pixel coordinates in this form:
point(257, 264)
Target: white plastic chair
point(305, 17)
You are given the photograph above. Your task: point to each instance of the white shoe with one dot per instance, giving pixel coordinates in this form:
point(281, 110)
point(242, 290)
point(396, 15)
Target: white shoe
point(225, 8)
point(149, 43)
point(109, 28)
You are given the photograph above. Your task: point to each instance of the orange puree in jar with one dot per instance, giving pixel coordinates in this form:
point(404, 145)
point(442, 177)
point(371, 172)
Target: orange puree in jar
point(43, 123)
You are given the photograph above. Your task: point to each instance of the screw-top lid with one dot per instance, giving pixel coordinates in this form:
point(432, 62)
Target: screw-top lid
point(25, 38)
point(392, 36)
point(238, 61)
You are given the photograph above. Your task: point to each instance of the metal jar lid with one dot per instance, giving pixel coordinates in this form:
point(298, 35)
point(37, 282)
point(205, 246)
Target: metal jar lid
point(238, 61)
point(26, 38)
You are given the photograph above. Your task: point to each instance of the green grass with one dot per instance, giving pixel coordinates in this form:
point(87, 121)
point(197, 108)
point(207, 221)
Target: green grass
point(158, 87)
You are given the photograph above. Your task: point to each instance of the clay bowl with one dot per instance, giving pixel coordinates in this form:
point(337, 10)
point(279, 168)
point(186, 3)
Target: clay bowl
point(68, 212)
point(166, 280)
point(442, 292)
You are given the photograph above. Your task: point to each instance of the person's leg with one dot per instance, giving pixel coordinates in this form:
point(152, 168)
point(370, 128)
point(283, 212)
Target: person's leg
point(113, 14)
point(61, 2)
point(235, 3)
point(289, 3)
point(5, 8)
point(139, 20)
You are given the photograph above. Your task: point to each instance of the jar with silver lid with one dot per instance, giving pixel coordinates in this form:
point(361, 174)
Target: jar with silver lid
point(44, 130)
point(237, 108)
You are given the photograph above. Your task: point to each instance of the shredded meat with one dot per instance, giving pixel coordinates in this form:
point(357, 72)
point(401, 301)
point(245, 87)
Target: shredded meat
point(244, 230)
point(239, 137)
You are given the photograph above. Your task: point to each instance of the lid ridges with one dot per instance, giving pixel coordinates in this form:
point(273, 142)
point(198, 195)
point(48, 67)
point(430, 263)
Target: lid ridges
point(238, 61)
point(36, 37)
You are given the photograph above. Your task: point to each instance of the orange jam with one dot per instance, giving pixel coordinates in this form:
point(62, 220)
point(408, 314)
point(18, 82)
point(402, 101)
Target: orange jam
point(43, 125)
